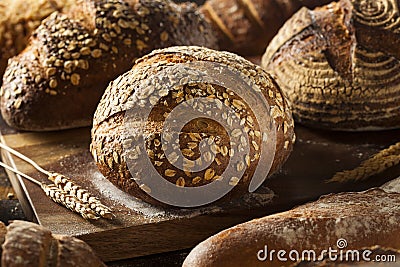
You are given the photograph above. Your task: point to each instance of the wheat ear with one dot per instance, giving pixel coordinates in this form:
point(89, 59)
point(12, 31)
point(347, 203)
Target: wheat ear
point(69, 201)
point(376, 164)
point(67, 185)
point(63, 183)
point(59, 196)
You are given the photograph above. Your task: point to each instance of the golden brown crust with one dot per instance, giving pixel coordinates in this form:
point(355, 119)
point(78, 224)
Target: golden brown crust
point(335, 69)
point(363, 219)
point(18, 19)
point(58, 80)
point(108, 127)
point(75, 252)
point(28, 244)
point(247, 26)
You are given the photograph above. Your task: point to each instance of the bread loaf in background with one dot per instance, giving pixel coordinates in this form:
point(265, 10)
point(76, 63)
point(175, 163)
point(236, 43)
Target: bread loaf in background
point(31, 245)
point(363, 219)
point(339, 65)
point(57, 81)
point(108, 129)
point(18, 19)
point(247, 26)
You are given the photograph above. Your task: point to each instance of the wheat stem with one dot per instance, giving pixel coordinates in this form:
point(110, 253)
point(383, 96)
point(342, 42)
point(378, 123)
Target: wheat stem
point(66, 188)
point(33, 180)
point(25, 158)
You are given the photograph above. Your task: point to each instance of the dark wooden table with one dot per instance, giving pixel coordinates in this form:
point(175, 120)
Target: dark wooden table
point(316, 156)
point(10, 209)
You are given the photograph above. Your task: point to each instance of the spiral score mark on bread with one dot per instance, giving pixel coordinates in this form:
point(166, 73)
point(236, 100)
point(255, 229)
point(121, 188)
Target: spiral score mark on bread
point(339, 64)
point(363, 219)
point(26, 244)
point(107, 144)
point(18, 19)
point(58, 80)
point(247, 26)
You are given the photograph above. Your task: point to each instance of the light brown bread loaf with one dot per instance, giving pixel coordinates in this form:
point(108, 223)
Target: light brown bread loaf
point(109, 124)
point(31, 245)
point(339, 65)
point(361, 219)
point(247, 26)
point(57, 81)
point(18, 18)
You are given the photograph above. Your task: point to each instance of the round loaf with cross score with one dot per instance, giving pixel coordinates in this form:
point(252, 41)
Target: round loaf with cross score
point(57, 81)
point(339, 65)
point(108, 139)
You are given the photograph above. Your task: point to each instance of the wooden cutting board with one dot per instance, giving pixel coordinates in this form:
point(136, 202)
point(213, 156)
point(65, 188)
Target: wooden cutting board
point(140, 229)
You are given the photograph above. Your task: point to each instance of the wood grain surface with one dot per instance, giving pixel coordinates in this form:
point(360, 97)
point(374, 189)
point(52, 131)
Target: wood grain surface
point(140, 229)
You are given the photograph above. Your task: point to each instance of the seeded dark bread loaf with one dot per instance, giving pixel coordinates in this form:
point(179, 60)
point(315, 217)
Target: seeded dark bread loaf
point(247, 26)
point(335, 68)
point(18, 18)
point(107, 144)
point(58, 80)
point(28, 244)
point(361, 219)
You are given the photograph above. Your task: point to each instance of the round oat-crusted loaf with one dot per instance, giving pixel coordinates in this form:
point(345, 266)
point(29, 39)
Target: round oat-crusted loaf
point(126, 166)
point(18, 19)
point(339, 65)
point(57, 81)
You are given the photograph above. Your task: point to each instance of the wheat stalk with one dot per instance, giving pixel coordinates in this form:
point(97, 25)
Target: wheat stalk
point(25, 158)
point(64, 191)
point(376, 164)
point(67, 185)
point(59, 196)
point(69, 201)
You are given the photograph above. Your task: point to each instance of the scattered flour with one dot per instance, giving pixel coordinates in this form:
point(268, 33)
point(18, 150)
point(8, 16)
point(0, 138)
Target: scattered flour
point(108, 190)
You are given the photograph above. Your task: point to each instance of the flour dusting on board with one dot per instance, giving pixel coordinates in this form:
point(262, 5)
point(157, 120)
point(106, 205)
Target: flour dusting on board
point(261, 198)
point(115, 194)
